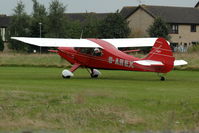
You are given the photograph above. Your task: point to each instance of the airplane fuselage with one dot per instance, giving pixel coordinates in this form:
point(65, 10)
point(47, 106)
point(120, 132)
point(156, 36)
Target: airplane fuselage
point(110, 58)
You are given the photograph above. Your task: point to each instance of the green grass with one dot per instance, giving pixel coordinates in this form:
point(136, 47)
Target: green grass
point(53, 60)
point(35, 99)
point(42, 60)
point(191, 58)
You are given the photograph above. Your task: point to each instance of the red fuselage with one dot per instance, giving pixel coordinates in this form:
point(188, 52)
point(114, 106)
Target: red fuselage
point(109, 58)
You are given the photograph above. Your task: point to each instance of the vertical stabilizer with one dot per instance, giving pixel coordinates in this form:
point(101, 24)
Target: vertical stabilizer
point(162, 52)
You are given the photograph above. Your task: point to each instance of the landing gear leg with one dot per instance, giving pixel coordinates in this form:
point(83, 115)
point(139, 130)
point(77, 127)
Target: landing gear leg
point(162, 77)
point(68, 74)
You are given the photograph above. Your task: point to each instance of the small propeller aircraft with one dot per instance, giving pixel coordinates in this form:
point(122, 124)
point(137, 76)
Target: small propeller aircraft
point(104, 54)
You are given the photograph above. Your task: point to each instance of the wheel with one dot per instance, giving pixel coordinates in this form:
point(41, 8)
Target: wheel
point(162, 78)
point(66, 74)
point(66, 77)
point(94, 75)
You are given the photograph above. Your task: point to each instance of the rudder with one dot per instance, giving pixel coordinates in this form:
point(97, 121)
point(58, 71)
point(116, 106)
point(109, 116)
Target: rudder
point(161, 51)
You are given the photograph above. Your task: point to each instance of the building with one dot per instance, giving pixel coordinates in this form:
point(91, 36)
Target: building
point(184, 22)
point(4, 23)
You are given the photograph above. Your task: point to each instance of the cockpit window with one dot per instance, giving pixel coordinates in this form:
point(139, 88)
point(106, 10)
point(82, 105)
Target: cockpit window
point(97, 52)
point(90, 51)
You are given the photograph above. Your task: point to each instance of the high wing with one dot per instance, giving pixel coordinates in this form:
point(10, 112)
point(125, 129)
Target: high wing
point(132, 42)
point(54, 42)
point(57, 42)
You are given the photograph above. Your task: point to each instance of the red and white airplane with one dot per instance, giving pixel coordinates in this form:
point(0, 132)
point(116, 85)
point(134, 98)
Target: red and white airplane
point(104, 54)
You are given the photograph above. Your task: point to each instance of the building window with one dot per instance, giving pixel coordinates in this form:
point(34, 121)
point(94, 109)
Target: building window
point(174, 29)
point(193, 28)
point(174, 46)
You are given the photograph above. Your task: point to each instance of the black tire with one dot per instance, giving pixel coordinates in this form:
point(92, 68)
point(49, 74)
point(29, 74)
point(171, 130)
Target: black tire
point(162, 78)
point(94, 76)
point(65, 77)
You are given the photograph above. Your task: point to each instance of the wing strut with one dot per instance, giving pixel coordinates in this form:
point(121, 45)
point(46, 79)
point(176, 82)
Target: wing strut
point(74, 67)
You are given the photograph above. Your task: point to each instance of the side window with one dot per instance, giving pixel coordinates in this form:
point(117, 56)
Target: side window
point(97, 52)
point(84, 50)
point(90, 51)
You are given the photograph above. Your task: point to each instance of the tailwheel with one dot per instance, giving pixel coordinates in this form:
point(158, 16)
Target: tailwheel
point(95, 73)
point(66, 74)
point(162, 77)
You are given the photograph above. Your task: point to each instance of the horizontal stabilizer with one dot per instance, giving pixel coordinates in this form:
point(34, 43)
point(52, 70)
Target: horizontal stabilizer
point(180, 62)
point(149, 63)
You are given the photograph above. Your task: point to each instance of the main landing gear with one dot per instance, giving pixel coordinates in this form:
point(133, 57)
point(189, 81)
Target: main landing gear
point(162, 77)
point(94, 73)
point(69, 73)
point(66, 74)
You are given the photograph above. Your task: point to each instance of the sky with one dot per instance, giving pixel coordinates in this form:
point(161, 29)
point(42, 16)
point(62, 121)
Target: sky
point(98, 6)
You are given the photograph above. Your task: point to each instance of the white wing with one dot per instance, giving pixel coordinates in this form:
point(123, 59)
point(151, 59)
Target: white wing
point(54, 42)
point(132, 42)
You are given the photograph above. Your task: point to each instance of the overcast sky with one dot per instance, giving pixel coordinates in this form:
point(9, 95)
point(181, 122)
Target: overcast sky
point(99, 6)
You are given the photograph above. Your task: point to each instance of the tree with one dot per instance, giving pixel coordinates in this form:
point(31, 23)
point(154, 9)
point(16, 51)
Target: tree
point(85, 29)
point(38, 23)
point(38, 20)
point(114, 26)
point(90, 26)
point(56, 20)
point(20, 26)
point(73, 29)
point(159, 29)
point(1, 43)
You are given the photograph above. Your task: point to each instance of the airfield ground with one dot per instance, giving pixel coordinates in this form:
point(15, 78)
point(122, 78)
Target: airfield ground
point(53, 60)
point(37, 98)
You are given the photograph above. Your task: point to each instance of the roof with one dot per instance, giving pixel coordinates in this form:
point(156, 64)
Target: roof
point(179, 15)
point(197, 4)
point(82, 16)
point(127, 11)
point(4, 21)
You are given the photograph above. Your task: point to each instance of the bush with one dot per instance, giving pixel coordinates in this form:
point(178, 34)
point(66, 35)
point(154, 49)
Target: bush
point(159, 29)
point(194, 48)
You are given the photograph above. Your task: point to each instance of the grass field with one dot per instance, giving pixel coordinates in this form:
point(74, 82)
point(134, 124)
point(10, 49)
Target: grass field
point(38, 99)
point(38, 60)
point(53, 60)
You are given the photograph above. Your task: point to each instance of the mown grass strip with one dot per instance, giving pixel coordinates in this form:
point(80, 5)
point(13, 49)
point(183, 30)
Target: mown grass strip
point(33, 98)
